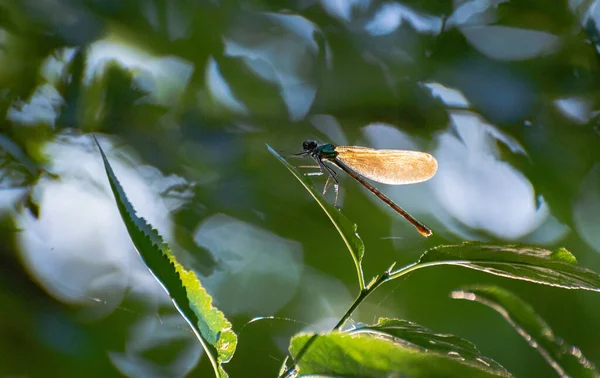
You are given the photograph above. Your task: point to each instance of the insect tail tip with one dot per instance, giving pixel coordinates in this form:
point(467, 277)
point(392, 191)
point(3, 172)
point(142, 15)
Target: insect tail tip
point(425, 232)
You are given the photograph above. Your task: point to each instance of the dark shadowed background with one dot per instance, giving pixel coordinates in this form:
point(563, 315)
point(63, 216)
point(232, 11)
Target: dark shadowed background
point(184, 96)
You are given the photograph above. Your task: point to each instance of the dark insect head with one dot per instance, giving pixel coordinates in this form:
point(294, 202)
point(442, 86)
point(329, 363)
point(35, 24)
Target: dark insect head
point(309, 145)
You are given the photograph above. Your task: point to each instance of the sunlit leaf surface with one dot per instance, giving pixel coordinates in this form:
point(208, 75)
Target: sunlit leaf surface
point(381, 355)
point(183, 286)
point(525, 263)
point(566, 359)
point(343, 225)
point(419, 337)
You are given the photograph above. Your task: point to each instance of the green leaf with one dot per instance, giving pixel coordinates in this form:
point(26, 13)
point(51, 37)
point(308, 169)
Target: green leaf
point(380, 355)
point(209, 324)
point(343, 225)
point(426, 340)
point(567, 360)
point(518, 262)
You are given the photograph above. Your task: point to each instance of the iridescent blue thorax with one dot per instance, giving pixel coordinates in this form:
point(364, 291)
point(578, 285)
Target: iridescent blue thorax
point(324, 151)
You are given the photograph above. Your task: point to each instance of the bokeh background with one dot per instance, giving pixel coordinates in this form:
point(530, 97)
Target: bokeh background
point(184, 96)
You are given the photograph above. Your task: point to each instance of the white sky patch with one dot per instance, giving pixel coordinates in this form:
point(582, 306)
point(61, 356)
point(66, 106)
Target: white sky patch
point(382, 135)
point(338, 8)
point(329, 125)
point(478, 189)
point(42, 108)
point(574, 108)
point(282, 61)
point(508, 43)
point(172, 73)
point(342, 9)
point(390, 16)
point(254, 59)
point(299, 25)
point(511, 142)
point(8, 198)
point(79, 248)
point(463, 13)
point(593, 10)
point(449, 96)
point(220, 90)
point(251, 278)
point(303, 28)
point(298, 95)
point(54, 65)
point(474, 12)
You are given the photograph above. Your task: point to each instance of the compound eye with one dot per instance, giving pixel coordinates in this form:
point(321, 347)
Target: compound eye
point(309, 145)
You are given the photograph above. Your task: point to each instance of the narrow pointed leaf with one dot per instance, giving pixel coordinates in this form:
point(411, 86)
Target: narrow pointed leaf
point(343, 225)
point(518, 262)
point(567, 360)
point(421, 338)
point(379, 355)
point(209, 324)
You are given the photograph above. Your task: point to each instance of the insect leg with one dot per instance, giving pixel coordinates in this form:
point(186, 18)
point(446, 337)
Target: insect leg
point(314, 173)
point(336, 187)
point(332, 175)
point(299, 155)
point(326, 185)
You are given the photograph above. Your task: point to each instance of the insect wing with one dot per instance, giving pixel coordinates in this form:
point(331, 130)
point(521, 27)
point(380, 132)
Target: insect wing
point(393, 167)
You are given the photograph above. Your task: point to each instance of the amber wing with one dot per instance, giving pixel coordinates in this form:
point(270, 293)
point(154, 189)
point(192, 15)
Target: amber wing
point(393, 167)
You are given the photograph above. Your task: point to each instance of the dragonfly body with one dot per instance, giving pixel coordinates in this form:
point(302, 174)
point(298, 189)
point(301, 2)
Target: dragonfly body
point(393, 167)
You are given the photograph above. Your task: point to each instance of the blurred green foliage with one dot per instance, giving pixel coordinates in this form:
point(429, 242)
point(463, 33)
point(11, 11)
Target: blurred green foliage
point(284, 65)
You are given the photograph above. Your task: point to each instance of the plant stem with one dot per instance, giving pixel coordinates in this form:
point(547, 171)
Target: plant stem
point(364, 293)
point(361, 297)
